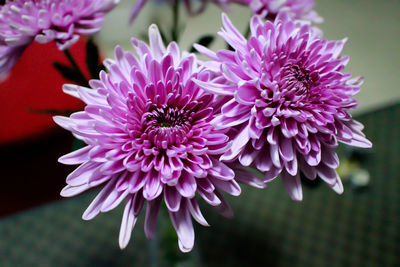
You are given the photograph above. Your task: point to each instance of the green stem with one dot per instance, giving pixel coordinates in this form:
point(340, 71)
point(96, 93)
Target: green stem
point(175, 22)
point(248, 31)
point(84, 81)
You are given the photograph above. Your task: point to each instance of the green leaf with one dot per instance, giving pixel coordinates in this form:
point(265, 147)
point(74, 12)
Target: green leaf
point(77, 144)
point(205, 40)
point(92, 59)
point(68, 72)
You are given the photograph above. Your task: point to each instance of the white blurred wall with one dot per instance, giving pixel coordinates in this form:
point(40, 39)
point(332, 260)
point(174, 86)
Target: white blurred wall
point(373, 28)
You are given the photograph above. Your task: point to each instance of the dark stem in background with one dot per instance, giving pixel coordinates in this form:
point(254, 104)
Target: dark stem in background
point(51, 111)
point(175, 22)
point(248, 31)
point(84, 81)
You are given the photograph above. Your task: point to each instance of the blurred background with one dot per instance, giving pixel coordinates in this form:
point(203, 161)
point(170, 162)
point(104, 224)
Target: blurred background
point(359, 228)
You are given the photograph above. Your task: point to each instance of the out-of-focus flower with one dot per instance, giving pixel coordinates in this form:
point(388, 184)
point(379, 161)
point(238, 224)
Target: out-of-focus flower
point(188, 5)
point(297, 9)
point(62, 21)
point(149, 138)
point(289, 101)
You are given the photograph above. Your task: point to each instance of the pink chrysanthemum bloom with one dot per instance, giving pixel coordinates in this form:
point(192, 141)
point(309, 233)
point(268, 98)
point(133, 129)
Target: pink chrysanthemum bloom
point(62, 21)
point(191, 10)
point(149, 138)
point(297, 9)
point(289, 101)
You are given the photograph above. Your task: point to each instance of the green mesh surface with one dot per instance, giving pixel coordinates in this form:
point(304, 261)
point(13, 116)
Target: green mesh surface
point(355, 229)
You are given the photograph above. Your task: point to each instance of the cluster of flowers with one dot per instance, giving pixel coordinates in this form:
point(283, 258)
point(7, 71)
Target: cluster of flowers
point(43, 21)
point(161, 126)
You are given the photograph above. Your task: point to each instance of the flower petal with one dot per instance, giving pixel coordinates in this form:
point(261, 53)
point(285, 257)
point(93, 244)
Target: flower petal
point(150, 221)
point(128, 223)
point(172, 198)
point(293, 185)
point(184, 228)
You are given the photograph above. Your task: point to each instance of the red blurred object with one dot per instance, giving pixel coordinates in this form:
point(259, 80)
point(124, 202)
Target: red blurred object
point(34, 85)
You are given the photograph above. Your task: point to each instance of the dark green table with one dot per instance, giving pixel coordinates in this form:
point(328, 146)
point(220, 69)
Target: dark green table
point(355, 229)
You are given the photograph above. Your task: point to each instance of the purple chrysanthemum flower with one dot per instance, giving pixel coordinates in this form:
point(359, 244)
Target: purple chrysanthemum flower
point(62, 21)
point(188, 5)
point(289, 101)
point(148, 135)
point(297, 9)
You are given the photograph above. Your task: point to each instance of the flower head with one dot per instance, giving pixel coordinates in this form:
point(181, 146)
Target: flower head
point(297, 9)
point(149, 138)
point(62, 21)
point(189, 6)
point(289, 101)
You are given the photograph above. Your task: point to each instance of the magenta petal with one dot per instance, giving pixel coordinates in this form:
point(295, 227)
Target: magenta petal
point(229, 156)
point(172, 198)
point(210, 198)
point(70, 191)
point(206, 185)
point(216, 138)
point(150, 221)
point(247, 94)
point(286, 149)
point(240, 140)
point(248, 155)
point(231, 187)
point(230, 28)
point(330, 158)
point(291, 167)
point(293, 185)
point(309, 171)
point(224, 209)
point(135, 11)
point(184, 228)
point(289, 128)
point(195, 211)
point(263, 161)
point(248, 177)
point(138, 202)
point(128, 222)
point(275, 157)
point(76, 157)
point(186, 185)
point(205, 51)
point(256, 133)
point(203, 114)
point(219, 89)
point(313, 158)
point(358, 141)
point(98, 179)
point(232, 108)
point(338, 186)
point(82, 174)
point(194, 169)
point(113, 200)
point(112, 167)
point(225, 121)
point(272, 174)
point(95, 206)
point(152, 188)
point(156, 43)
point(221, 171)
point(327, 174)
point(136, 181)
